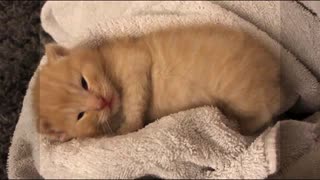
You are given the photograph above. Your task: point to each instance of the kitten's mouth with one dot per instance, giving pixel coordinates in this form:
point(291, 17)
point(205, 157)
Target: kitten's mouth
point(110, 103)
point(105, 103)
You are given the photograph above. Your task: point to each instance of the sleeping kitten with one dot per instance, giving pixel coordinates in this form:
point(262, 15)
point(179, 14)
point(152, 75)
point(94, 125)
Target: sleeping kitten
point(123, 84)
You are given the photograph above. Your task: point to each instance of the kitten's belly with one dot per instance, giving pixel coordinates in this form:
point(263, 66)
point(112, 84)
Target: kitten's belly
point(173, 93)
point(211, 69)
point(186, 72)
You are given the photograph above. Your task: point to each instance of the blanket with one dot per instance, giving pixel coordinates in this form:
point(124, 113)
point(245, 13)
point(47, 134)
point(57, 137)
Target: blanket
point(198, 143)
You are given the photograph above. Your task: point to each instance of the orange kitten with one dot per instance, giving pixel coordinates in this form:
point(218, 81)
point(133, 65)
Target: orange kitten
point(127, 82)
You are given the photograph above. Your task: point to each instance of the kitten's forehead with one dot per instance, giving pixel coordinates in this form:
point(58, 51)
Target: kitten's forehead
point(62, 79)
point(58, 86)
point(84, 55)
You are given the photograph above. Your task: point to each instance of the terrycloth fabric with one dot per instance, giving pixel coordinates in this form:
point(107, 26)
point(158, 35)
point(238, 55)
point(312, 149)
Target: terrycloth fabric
point(299, 149)
point(190, 144)
point(198, 143)
point(314, 6)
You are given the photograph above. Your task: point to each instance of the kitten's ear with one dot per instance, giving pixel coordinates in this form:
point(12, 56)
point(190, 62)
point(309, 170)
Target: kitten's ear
point(55, 52)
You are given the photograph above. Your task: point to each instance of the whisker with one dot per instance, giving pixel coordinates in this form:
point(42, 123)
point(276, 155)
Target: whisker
point(109, 127)
point(100, 123)
point(105, 125)
point(105, 131)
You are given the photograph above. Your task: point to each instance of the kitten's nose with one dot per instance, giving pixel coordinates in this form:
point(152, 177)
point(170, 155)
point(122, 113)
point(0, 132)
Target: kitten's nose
point(98, 103)
point(103, 103)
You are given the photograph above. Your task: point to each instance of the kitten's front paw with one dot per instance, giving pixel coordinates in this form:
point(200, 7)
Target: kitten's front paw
point(126, 128)
point(252, 127)
point(59, 137)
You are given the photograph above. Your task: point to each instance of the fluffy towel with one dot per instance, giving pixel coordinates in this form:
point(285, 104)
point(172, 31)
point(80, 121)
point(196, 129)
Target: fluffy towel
point(198, 143)
point(300, 149)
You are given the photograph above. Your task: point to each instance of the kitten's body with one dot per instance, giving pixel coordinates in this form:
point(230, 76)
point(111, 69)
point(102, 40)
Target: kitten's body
point(181, 68)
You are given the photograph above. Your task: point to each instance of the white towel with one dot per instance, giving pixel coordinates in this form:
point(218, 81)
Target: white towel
point(198, 143)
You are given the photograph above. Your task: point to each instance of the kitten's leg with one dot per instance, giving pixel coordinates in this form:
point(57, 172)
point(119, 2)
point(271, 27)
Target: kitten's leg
point(132, 71)
point(135, 98)
point(256, 116)
point(251, 125)
point(253, 115)
point(249, 121)
point(59, 136)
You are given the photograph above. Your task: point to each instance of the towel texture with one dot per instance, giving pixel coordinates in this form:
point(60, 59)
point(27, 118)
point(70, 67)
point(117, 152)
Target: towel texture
point(198, 143)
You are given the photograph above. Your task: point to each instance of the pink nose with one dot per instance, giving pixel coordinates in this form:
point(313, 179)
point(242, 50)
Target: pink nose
point(103, 103)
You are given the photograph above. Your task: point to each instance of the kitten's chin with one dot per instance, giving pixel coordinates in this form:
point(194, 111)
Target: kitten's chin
point(115, 121)
point(110, 124)
point(115, 104)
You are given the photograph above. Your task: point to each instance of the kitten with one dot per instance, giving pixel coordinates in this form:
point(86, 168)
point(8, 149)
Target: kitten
point(123, 84)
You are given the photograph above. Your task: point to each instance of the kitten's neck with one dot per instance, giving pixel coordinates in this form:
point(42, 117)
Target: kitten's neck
point(123, 52)
point(125, 58)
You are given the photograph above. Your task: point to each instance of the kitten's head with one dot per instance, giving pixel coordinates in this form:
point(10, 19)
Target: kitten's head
point(73, 95)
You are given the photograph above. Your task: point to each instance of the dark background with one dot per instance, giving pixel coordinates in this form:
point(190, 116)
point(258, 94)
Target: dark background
point(21, 48)
point(20, 52)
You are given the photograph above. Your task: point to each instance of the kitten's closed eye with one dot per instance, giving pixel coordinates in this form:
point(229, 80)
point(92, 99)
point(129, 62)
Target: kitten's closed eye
point(80, 115)
point(84, 83)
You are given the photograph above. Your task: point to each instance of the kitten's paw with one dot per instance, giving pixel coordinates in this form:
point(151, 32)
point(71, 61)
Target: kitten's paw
point(252, 127)
point(59, 137)
point(126, 128)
